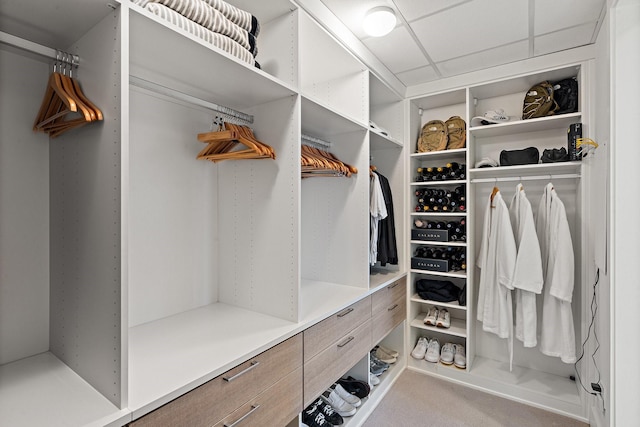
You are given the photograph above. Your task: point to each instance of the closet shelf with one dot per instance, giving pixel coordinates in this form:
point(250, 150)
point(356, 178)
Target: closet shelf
point(379, 141)
point(433, 243)
point(526, 170)
point(438, 369)
point(453, 305)
point(439, 273)
point(458, 326)
point(458, 152)
point(522, 126)
point(438, 214)
point(436, 183)
point(380, 277)
point(320, 121)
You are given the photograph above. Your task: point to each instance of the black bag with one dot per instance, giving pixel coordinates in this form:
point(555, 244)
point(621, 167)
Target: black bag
point(565, 93)
point(526, 156)
point(555, 155)
point(437, 290)
point(462, 297)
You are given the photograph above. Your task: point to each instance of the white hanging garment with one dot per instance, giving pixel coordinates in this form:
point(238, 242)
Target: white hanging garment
point(557, 332)
point(497, 259)
point(378, 211)
point(527, 277)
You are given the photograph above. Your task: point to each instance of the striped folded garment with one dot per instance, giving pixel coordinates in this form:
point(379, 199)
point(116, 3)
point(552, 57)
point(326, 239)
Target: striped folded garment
point(218, 40)
point(203, 13)
point(238, 16)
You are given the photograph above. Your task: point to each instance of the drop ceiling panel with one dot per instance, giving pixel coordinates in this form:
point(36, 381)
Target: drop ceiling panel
point(413, 10)
point(553, 15)
point(472, 27)
point(408, 57)
point(485, 59)
point(417, 76)
point(561, 40)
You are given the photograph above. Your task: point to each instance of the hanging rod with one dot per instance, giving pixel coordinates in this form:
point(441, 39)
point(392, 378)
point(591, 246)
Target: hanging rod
point(526, 178)
point(180, 96)
point(38, 49)
point(312, 140)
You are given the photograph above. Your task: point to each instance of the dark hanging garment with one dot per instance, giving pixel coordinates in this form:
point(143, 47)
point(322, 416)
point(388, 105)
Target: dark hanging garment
point(387, 249)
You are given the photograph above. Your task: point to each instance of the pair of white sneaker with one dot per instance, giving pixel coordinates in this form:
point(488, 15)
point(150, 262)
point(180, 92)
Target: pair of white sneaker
point(427, 349)
point(343, 402)
point(453, 354)
point(439, 317)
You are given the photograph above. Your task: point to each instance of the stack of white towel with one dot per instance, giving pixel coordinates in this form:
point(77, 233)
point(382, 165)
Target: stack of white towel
point(223, 25)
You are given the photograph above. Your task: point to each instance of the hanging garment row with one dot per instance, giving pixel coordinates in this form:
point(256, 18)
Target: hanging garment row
point(529, 257)
point(316, 161)
point(382, 241)
point(64, 105)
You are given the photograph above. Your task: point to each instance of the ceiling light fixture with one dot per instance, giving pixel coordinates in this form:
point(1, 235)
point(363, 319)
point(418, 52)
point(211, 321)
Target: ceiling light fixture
point(379, 21)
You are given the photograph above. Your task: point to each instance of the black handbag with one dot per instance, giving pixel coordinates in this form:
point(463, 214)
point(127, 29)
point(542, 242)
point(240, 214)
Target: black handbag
point(437, 290)
point(526, 156)
point(555, 155)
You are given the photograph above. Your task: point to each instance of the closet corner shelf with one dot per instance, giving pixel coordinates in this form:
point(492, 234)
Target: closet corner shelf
point(526, 170)
point(379, 141)
point(433, 243)
point(458, 152)
point(523, 126)
point(439, 273)
point(452, 305)
point(458, 326)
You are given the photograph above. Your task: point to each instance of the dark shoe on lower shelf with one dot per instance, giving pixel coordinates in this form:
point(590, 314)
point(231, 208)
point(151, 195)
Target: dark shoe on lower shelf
point(329, 414)
point(356, 387)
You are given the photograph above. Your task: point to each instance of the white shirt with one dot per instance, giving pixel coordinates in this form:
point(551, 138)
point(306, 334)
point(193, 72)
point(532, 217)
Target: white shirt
point(527, 279)
point(378, 211)
point(557, 332)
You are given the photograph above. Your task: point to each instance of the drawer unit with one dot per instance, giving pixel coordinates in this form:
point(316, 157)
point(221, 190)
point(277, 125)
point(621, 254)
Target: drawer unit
point(388, 318)
point(321, 335)
point(336, 359)
point(275, 406)
point(211, 402)
point(383, 298)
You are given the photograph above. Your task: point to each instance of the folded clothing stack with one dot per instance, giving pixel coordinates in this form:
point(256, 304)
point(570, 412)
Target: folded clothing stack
point(225, 26)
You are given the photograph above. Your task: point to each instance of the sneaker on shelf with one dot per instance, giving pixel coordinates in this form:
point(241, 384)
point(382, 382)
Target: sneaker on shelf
point(420, 349)
point(346, 396)
point(356, 387)
point(432, 316)
point(447, 353)
point(329, 414)
point(378, 361)
point(373, 379)
point(433, 351)
point(389, 351)
point(312, 417)
point(338, 404)
point(460, 356)
point(444, 318)
point(383, 356)
point(375, 368)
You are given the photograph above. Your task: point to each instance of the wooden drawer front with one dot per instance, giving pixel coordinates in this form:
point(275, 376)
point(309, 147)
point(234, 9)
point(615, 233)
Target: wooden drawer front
point(387, 319)
point(382, 298)
point(275, 406)
point(216, 399)
point(321, 335)
point(324, 369)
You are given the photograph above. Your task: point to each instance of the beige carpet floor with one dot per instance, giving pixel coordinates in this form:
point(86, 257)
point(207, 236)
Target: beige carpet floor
point(417, 400)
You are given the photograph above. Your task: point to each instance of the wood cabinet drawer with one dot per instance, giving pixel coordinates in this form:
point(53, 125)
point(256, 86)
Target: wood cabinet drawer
point(276, 406)
point(216, 399)
point(383, 298)
point(329, 365)
point(388, 318)
point(321, 335)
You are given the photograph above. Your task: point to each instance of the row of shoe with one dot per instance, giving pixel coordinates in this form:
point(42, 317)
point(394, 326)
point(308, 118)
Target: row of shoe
point(450, 353)
point(380, 358)
point(439, 317)
point(339, 401)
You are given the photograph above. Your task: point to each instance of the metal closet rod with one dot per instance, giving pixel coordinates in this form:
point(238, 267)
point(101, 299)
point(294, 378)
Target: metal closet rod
point(311, 140)
point(180, 96)
point(526, 178)
point(38, 49)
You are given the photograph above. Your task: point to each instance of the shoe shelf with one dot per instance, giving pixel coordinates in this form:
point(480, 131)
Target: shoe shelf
point(440, 273)
point(434, 368)
point(458, 326)
point(451, 305)
point(561, 121)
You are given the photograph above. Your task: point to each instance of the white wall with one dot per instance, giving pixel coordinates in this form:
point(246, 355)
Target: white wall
point(625, 228)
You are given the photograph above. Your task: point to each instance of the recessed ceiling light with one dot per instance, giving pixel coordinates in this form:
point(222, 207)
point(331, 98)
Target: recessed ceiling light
point(379, 21)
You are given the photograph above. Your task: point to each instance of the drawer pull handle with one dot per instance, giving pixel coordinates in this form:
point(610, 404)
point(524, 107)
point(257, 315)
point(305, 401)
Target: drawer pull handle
point(344, 313)
point(253, 365)
point(392, 307)
point(393, 286)
point(346, 342)
point(253, 409)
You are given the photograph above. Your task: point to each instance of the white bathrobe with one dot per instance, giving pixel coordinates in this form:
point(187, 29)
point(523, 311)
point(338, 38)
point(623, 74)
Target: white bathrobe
point(378, 211)
point(527, 277)
point(557, 335)
point(497, 259)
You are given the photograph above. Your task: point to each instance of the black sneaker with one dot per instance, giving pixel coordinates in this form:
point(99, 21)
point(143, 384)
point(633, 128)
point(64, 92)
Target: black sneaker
point(314, 418)
point(356, 387)
point(329, 414)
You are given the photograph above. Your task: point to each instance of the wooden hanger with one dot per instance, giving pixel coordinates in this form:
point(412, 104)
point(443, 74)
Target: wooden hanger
point(221, 144)
point(493, 193)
